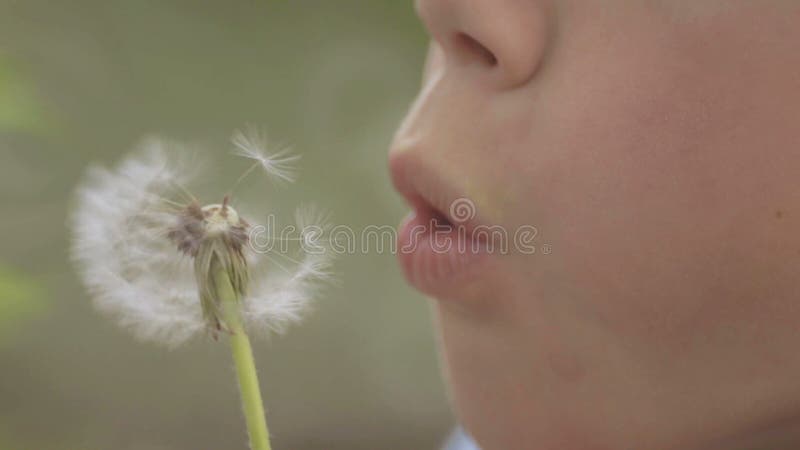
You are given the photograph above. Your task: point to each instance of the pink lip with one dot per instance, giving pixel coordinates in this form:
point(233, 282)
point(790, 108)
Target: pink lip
point(437, 252)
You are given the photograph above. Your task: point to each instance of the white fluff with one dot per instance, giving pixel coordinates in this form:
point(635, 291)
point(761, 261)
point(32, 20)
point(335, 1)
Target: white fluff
point(136, 275)
point(284, 297)
point(252, 144)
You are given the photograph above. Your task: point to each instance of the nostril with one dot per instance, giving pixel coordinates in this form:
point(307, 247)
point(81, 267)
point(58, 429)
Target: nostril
point(470, 50)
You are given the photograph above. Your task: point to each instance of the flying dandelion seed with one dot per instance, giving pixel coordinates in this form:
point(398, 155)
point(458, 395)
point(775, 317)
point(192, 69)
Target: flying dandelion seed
point(252, 144)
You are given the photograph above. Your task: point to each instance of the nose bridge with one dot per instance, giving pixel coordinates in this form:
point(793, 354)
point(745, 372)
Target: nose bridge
point(440, 17)
point(420, 119)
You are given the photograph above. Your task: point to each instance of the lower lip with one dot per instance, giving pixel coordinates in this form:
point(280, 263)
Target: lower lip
point(437, 258)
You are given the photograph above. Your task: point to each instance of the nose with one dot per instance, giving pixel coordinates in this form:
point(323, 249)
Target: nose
point(503, 41)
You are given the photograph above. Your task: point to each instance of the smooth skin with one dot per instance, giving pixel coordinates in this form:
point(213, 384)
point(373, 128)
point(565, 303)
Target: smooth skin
point(655, 145)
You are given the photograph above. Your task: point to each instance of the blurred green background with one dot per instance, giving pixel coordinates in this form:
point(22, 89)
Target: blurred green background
point(82, 82)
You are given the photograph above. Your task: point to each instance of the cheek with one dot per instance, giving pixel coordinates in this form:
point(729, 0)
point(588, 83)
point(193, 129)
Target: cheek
point(651, 187)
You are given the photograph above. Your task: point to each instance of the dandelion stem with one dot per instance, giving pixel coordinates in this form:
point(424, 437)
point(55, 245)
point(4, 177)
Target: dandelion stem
point(243, 359)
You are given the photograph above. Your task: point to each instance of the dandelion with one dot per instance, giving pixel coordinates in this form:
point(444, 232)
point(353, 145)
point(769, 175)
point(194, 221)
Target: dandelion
point(169, 268)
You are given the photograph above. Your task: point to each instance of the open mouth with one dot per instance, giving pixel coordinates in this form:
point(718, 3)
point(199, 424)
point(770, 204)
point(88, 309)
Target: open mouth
point(436, 251)
point(438, 246)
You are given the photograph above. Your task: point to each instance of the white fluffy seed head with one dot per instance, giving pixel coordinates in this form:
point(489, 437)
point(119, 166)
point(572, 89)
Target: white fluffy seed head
point(128, 259)
point(120, 246)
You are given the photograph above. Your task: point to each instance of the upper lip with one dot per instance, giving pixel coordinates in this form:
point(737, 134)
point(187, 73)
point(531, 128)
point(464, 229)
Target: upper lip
point(425, 190)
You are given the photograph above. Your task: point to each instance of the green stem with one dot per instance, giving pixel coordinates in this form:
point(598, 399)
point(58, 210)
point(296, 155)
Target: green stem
point(243, 359)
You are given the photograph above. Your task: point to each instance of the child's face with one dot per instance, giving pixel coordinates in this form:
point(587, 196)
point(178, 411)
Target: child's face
point(654, 145)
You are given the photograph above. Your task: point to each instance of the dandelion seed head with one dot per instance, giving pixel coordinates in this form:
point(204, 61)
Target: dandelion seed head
point(220, 219)
point(143, 244)
point(197, 224)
